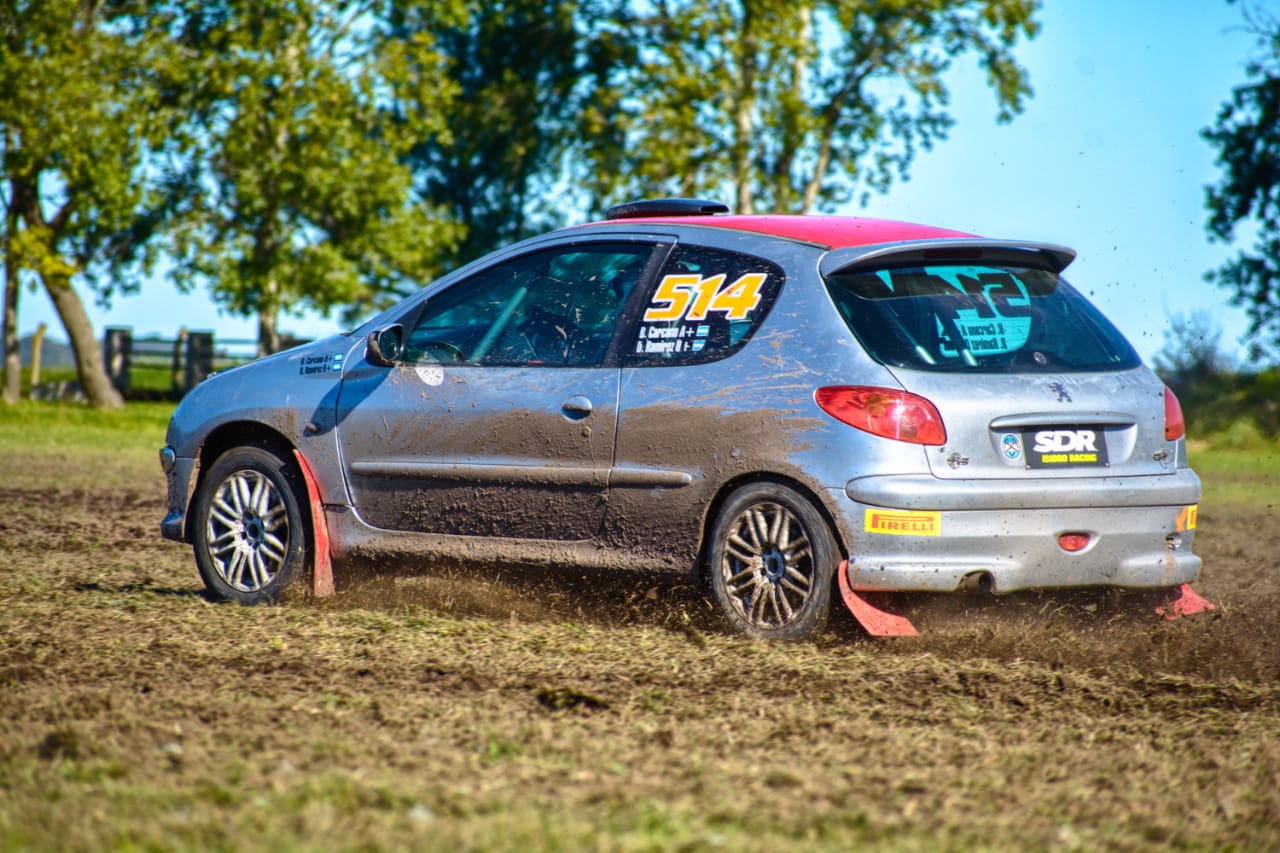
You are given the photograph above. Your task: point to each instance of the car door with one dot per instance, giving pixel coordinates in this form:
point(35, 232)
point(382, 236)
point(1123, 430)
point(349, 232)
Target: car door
point(499, 414)
point(690, 412)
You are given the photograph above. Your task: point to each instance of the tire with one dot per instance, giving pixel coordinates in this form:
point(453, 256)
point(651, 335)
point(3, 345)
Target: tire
point(771, 558)
point(250, 537)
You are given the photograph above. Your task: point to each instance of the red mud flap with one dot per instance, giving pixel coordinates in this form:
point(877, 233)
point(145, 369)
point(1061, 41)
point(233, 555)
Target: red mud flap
point(1184, 602)
point(876, 619)
point(322, 573)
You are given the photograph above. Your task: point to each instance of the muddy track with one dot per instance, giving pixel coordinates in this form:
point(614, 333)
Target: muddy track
point(540, 708)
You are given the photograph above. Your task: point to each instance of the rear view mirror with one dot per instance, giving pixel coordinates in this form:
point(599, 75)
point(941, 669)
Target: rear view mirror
point(383, 345)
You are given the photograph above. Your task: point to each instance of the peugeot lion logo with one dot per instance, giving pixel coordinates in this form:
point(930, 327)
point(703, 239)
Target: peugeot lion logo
point(1061, 390)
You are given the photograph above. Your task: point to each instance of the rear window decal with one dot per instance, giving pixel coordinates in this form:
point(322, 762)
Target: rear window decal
point(973, 316)
point(999, 324)
point(693, 297)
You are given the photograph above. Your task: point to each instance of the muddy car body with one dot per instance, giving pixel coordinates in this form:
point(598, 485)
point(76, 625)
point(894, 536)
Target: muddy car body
point(772, 401)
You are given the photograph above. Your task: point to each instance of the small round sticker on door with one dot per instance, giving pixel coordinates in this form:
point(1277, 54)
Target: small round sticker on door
point(1011, 447)
point(430, 374)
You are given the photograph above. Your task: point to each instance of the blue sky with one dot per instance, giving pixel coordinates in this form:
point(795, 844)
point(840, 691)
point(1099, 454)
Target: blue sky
point(1107, 158)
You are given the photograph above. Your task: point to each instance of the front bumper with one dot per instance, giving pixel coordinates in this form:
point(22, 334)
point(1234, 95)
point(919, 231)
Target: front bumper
point(940, 542)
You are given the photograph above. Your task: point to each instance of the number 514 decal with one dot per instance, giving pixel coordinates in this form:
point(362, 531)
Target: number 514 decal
point(692, 297)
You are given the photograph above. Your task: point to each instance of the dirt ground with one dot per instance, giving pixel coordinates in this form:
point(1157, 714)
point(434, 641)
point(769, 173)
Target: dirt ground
point(440, 707)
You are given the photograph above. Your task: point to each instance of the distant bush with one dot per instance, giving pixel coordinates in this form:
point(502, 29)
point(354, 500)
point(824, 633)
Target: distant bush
point(1226, 405)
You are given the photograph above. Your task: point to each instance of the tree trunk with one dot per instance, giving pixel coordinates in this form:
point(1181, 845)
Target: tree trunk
point(93, 376)
point(12, 353)
point(268, 334)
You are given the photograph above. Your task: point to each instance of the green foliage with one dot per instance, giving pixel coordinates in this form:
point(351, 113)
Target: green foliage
point(1246, 137)
point(524, 73)
point(1233, 410)
point(795, 106)
point(299, 197)
point(1191, 353)
point(88, 93)
point(1223, 406)
point(82, 104)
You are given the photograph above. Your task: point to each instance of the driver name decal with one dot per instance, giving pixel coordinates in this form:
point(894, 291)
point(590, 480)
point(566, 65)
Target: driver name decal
point(315, 364)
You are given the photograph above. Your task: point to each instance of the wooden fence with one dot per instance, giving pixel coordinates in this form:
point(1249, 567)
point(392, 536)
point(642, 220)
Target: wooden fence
point(158, 368)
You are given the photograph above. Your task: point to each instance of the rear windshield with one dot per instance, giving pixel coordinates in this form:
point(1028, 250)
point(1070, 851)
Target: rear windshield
point(977, 318)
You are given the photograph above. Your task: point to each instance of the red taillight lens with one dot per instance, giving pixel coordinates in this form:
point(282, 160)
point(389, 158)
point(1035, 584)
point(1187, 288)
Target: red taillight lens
point(884, 411)
point(1174, 426)
point(1073, 541)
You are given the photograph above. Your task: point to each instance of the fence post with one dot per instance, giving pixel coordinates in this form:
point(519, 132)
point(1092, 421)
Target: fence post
point(117, 345)
point(176, 376)
point(199, 358)
point(37, 350)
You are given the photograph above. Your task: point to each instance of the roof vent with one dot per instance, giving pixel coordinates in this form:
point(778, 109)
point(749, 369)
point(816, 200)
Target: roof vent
point(666, 207)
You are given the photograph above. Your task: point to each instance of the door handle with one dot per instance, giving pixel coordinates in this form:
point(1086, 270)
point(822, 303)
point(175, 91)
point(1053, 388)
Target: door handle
point(576, 407)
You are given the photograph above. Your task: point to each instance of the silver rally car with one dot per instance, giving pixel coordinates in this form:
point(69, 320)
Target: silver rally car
point(780, 403)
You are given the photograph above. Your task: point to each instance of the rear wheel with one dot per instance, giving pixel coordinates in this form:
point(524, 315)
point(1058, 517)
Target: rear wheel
point(249, 538)
point(771, 559)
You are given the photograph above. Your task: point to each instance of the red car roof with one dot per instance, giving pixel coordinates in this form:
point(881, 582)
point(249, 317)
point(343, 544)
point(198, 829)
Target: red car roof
point(834, 232)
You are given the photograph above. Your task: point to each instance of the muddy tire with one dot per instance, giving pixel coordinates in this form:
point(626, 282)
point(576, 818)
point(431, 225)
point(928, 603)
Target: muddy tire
point(249, 533)
point(771, 559)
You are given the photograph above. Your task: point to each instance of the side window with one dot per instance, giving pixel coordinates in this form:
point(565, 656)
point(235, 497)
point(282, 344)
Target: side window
point(705, 306)
point(556, 307)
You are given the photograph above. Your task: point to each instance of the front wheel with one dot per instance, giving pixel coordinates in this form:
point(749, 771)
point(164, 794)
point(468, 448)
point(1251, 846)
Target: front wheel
point(771, 559)
point(249, 539)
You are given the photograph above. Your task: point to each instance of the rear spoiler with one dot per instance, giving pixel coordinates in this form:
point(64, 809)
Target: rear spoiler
point(948, 251)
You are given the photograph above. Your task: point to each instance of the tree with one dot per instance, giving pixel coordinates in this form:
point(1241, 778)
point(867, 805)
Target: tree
point(523, 73)
point(793, 105)
point(82, 108)
point(12, 289)
point(1246, 136)
point(301, 196)
point(1192, 353)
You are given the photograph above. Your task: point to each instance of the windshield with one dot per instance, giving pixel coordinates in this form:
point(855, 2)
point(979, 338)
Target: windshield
point(977, 318)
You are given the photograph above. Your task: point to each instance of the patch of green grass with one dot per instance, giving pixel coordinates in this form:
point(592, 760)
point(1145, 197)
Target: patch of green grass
point(1238, 475)
point(31, 425)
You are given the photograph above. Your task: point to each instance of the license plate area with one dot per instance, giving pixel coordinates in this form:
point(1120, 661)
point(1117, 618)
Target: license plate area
point(1065, 447)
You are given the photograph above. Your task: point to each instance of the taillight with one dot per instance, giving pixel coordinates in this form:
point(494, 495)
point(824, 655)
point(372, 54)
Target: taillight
point(1174, 426)
point(1073, 542)
point(884, 411)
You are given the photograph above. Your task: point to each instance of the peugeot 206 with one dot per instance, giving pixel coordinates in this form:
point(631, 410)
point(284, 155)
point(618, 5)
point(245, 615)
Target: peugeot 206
point(782, 405)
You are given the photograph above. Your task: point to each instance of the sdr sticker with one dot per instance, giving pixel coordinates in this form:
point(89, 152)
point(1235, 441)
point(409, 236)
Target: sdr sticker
point(1187, 518)
point(693, 297)
point(903, 522)
point(1064, 448)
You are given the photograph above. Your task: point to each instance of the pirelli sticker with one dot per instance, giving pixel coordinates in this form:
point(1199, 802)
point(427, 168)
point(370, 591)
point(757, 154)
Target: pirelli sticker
point(896, 522)
point(1187, 518)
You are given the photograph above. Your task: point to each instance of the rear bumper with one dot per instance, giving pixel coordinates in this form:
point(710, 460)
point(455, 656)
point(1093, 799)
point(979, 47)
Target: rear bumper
point(936, 540)
point(926, 492)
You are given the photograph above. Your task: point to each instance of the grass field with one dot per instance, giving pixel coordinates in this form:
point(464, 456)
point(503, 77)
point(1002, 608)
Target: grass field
point(437, 708)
